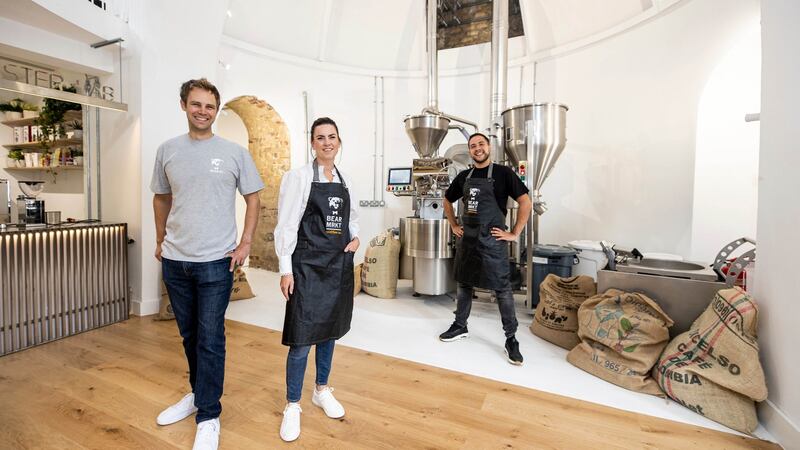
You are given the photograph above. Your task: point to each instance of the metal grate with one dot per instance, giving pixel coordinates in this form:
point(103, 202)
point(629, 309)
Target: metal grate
point(55, 284)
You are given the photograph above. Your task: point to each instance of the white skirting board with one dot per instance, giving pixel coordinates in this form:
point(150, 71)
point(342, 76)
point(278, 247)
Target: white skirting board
point(146, 307)
point(781, 428)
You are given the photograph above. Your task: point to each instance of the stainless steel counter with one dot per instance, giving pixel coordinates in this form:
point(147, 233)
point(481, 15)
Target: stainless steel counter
point(8, 228)
point(61, 280)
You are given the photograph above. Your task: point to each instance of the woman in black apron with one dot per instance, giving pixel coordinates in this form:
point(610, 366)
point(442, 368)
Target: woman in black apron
point(318, 286)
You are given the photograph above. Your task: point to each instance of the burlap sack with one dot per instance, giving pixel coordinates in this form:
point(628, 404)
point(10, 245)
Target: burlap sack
point(622, 334)
point(241, 290)
point(713, 369)
point(381, 264)
point(556, 318)
point(165, 308)
point(357, 279)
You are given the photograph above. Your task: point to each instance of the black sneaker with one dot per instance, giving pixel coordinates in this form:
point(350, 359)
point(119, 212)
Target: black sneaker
point(454, 333)
point(512, 351)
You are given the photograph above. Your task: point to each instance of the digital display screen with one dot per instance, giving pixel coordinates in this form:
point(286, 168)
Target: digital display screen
point(401, 175)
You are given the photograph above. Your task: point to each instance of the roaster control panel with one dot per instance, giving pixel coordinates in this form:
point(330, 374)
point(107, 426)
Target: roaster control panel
point(399, 180)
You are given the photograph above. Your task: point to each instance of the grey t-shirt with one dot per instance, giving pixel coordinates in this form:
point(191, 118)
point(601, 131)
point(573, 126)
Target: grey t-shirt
point(202, 176)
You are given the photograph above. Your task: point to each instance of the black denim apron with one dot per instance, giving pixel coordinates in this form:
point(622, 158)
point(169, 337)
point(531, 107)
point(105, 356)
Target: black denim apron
point(321, 305)
point(481, 260)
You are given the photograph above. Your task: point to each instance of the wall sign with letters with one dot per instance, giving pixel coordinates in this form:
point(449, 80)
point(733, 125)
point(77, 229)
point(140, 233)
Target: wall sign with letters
point(85, 84)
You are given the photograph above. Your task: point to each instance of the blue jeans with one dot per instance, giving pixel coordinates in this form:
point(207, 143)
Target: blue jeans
point(199, 294)
point(296, 367)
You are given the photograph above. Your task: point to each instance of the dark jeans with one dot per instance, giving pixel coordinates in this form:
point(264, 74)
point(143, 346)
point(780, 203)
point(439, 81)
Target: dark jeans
point(505, 301)
point(296, 367)
point(199, 294)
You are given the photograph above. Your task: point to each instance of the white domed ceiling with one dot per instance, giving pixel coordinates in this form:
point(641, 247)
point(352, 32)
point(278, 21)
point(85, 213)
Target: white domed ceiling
point(390, 34)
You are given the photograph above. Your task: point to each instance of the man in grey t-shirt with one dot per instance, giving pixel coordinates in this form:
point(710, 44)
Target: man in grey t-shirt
point(195, 179)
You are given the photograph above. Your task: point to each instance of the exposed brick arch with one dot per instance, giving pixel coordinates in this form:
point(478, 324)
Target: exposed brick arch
point(268, 142)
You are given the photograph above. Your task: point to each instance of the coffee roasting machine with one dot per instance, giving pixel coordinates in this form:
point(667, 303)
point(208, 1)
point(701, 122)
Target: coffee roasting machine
point(528, 137)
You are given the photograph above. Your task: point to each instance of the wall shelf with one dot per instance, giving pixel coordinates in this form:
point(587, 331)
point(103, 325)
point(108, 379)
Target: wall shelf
point(42, 169)
point(69, 116)
point(40, 145)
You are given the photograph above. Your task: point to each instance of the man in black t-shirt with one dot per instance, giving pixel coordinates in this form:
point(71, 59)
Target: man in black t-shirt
point(506, 184)
point(482, 252)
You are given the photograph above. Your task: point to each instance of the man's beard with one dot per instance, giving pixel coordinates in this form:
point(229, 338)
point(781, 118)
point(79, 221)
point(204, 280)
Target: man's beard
point(480, 161)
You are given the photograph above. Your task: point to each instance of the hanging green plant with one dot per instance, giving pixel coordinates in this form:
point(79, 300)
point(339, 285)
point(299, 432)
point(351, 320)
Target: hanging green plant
point(51, 116)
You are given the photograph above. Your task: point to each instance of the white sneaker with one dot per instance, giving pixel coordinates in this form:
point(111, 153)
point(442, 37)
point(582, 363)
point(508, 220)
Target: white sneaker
point(290, 426)
point(179, 411)
point(325, 400)
point(207, 436)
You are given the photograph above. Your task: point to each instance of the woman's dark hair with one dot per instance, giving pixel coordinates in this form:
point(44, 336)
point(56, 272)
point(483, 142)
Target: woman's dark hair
point(324, 121)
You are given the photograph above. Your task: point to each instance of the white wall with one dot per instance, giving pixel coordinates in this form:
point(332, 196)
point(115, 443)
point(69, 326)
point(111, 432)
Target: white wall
point(726, 155)
point(628, 174)
point(777, 283)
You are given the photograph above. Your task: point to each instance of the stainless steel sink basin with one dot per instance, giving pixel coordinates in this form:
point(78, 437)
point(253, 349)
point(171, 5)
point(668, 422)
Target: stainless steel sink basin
point(669, 264)
point(669, 268)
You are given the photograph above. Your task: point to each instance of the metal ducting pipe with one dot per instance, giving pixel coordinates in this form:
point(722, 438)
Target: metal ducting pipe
point(451, 117)
point(433, 57)
point(497, 100)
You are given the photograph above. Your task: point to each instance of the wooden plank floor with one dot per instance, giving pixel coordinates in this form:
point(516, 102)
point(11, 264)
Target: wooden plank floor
point(103, 389)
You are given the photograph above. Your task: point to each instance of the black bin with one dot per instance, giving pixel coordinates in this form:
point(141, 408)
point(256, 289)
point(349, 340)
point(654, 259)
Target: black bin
point(547, 259)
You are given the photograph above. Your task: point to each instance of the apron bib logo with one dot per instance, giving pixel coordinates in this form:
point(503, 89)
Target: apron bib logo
point(472, 201)
point(333, 221)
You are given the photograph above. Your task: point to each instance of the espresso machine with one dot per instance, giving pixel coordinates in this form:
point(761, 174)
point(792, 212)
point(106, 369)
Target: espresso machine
point(30, 210)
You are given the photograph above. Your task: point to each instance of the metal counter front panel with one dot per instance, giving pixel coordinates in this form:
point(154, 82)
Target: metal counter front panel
point(56, 283)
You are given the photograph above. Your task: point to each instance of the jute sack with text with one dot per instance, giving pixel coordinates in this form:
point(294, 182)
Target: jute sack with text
point(357, 279)
point(381, 264)
point(622, 334)
point(240, 290)
point(556, 317)
point(713, 369)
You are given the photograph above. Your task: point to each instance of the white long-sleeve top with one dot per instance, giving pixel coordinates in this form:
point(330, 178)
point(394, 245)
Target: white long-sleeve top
point(292, 200)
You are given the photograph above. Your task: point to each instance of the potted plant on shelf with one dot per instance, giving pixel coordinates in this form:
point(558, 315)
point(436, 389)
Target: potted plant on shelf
point(77, 156)
point(29, 111)
point(51, 116)
point(11, 110)
point(15, 158)
point(77, 129)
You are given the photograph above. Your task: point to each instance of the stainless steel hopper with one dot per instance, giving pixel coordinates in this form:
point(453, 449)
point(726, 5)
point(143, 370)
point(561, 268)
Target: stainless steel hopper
point(427, 131)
